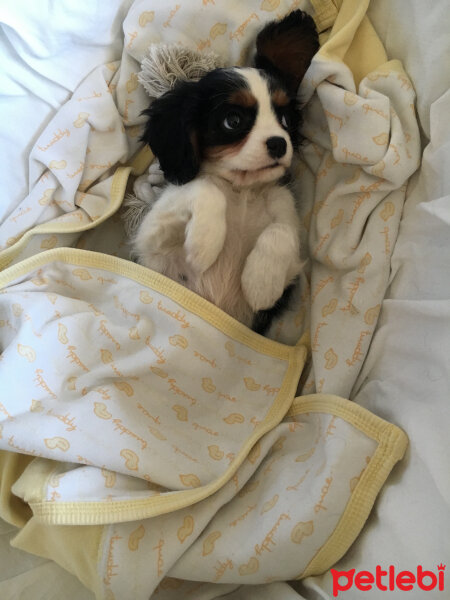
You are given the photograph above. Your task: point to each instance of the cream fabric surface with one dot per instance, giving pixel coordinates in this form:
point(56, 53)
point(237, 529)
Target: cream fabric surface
point(419, 218)
point(406, 374)
point(162, 417)
point(363, 147)
point(93, 344)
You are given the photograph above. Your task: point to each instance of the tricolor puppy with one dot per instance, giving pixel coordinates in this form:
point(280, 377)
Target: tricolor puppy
point(226, 227)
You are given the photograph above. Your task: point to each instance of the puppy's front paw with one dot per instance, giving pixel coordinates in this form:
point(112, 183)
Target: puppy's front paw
point(203, 245)
point(263, 282)
point(155, 174)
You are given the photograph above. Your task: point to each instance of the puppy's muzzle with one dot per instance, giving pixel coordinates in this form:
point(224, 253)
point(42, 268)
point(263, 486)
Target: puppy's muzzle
point(276, 147)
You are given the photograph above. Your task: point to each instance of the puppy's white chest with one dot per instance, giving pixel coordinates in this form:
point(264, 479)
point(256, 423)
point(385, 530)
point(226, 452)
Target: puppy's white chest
point(246, 217)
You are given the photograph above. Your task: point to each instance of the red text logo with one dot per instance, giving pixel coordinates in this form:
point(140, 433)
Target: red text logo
point(388, 579)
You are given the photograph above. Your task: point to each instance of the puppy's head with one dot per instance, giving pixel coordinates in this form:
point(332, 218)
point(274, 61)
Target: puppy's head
point(239, 123)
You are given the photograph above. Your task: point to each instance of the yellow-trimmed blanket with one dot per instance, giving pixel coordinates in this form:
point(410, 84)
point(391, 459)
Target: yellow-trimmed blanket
point(149, 443)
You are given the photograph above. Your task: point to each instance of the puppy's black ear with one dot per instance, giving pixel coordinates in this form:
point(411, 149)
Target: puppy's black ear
point(286, 47)
point(171, 132)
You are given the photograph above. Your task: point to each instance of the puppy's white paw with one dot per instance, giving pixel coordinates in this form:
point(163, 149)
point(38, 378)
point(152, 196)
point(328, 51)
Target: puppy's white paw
point(144, 191)
point(263, 282)
point(149, 187)
point(204, 244)
point(155, 175)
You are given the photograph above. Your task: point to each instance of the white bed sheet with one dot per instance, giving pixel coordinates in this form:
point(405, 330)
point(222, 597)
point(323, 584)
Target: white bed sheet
point(47, 48)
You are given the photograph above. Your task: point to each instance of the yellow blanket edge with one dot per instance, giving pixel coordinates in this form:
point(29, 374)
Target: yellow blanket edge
point(107, 512)
point(392, 443)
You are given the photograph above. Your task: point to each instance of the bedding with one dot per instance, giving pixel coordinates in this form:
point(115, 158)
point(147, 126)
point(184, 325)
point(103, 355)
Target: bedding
point(352, 194)
point(406, 375)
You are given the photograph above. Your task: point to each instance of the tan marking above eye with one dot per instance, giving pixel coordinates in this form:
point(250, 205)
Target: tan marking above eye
point(243, 97)
point(225, 150)
point(280, 98)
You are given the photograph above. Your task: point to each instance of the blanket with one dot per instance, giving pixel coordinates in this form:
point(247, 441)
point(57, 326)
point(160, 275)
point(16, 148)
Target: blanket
point(110, 369)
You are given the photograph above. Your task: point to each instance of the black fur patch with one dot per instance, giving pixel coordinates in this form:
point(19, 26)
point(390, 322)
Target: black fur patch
point(263, 318)
point(285, 48)
point(170, 132)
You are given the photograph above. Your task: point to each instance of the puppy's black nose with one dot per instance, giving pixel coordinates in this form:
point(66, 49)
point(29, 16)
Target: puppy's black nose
point(276, 146)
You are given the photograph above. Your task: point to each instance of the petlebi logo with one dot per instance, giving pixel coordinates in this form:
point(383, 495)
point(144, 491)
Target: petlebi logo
point(389, 579)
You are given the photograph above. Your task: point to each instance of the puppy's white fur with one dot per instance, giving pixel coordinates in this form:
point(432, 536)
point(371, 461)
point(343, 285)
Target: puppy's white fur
point(232, 234)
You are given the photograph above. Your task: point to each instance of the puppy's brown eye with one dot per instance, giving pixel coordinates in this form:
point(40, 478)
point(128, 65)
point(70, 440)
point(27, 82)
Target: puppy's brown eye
point(284, 121)
point(232, 121)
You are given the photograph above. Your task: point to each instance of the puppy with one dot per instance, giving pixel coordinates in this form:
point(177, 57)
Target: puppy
point(225, 226)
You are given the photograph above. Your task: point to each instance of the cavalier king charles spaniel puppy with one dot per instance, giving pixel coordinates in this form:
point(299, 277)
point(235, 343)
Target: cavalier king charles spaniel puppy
point(226, 225)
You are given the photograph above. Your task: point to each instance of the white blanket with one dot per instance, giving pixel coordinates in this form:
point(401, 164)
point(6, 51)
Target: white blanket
point(369, 398)
point(406, 374)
